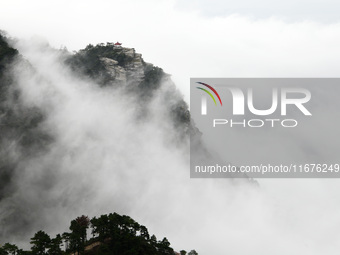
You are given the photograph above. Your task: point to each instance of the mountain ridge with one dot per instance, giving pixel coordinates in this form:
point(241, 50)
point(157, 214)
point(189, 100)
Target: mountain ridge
point(25, 138)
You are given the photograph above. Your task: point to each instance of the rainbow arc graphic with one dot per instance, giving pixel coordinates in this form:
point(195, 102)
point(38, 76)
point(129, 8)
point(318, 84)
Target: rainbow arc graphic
point(209, 93)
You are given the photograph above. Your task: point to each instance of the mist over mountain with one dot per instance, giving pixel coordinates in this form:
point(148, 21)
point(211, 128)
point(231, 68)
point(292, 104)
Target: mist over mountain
point(75, 123)
point(100, 130)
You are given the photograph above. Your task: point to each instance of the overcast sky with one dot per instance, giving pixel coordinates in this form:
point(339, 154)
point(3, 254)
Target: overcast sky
point(300, 10)
point(194, 38)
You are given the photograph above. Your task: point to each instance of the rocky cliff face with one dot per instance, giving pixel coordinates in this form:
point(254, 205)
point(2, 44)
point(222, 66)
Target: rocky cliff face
point(133, 71)
point(112, 65)
point(118, 66)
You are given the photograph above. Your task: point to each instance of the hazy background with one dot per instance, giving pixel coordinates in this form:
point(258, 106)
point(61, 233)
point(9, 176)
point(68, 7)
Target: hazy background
point(187, 39)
